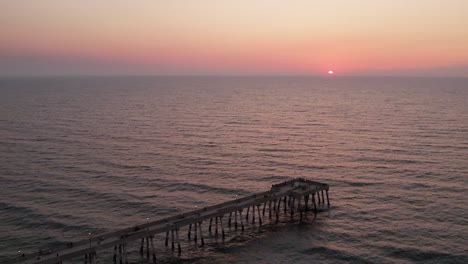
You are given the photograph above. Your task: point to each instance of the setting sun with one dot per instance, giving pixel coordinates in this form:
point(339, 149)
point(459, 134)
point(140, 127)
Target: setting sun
point(330, 72)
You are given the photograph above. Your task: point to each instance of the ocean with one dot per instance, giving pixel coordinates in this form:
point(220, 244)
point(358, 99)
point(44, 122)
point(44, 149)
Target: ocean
point(97, 154)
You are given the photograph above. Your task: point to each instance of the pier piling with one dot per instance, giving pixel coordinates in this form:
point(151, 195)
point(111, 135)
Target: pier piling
point(201, 234)
point(241, 220)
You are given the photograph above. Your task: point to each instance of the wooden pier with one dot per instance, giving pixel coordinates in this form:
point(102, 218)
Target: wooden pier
point(291, 197)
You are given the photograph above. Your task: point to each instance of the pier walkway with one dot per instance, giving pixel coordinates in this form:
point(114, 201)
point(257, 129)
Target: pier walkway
point(290, 197)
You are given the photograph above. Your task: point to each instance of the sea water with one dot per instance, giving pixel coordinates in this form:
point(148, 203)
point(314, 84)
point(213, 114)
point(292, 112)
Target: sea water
point(96, 154)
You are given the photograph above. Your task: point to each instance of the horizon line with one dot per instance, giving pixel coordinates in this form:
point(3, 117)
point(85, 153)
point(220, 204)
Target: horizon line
point(231, 75)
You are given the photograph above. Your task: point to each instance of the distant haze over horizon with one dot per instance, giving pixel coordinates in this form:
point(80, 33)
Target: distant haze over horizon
point(257, 37)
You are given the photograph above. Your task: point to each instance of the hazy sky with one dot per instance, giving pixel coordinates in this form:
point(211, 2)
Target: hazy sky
point(410, 37)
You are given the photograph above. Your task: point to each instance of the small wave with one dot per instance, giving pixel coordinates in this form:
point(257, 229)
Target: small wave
point(30, 218)
point(275, 163)
point(275, 150)
point(274, 178)
point(336, 254)
point(123, 166)
point(358, 183)
point(391, 161)
point(425, 256)
point(202, 188)
point(311, 167)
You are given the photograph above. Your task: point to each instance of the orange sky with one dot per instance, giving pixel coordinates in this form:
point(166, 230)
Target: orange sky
point(233, 37)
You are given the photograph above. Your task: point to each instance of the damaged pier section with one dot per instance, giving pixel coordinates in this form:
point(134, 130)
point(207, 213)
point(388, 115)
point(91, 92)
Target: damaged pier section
point(290, 197)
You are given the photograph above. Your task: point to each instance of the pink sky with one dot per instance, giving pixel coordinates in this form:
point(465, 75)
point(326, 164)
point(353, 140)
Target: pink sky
point(364, 37)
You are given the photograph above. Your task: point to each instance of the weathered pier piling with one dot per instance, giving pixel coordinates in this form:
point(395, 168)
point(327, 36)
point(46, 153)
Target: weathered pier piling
point(295, 196)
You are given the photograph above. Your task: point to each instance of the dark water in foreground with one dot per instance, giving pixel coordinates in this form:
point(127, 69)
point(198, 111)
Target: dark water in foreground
point(81, 155)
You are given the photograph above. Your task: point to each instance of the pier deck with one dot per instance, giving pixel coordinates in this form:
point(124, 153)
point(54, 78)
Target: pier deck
point(294, 195)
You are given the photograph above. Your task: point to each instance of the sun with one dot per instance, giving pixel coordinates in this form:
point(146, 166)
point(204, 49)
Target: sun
point(331, 72)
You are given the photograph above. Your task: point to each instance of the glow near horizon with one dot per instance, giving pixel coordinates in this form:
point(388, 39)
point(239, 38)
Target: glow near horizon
point(257, 36)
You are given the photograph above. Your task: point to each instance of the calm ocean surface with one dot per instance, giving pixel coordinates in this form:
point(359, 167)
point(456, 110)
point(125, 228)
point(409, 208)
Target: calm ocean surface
point(81, 155)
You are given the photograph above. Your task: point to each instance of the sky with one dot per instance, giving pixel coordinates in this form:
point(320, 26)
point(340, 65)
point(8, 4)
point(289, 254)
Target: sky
point(350, 37)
